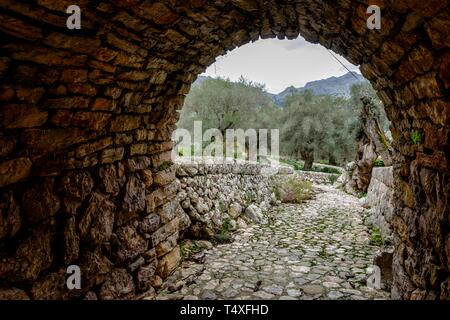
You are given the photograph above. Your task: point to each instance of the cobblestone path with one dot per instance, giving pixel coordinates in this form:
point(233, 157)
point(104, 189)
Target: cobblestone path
point(318, 250)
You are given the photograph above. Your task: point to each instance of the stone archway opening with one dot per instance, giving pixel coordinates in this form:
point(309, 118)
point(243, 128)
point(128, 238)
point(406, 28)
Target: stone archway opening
point(272, 244)
point(86, 120)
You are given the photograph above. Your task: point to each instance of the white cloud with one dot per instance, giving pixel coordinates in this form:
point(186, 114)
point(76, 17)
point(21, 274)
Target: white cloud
point(279, 63)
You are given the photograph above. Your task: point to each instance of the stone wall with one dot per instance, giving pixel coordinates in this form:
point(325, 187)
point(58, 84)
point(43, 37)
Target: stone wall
point(114, 222)
point(225, 197)
point(380, 198)
point(86, 119)
point(317, 177)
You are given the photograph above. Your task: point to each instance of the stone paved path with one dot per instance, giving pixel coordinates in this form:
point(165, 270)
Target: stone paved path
point(318, 250)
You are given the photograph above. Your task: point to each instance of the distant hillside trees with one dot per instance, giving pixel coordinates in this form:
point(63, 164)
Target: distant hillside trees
point(223, 105)
point(312, 127)
point(317, 127)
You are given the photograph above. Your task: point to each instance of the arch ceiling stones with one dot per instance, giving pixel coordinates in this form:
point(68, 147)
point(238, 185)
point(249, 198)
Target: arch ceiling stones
point(86, 117)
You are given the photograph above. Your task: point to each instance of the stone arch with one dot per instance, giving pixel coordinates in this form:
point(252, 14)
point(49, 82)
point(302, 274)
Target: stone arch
point(86, 119)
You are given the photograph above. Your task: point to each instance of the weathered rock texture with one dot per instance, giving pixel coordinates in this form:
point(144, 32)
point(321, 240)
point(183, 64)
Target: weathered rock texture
point(380, 199)
point(223, 197)
point(216, 197)
point(87, 115)
point(372, 144)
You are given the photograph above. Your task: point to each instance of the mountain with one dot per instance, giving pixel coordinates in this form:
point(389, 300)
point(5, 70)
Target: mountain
point(334, 86)
point(200, 80)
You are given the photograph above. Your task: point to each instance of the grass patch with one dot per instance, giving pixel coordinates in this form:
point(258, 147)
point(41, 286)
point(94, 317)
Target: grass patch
point(164, 166)
point(299, 167)
point(189, 248)
point(416, 138)
point(295, 191)
point(325, 170)
point(225, 228)
point(361, 195)
point(333, 178)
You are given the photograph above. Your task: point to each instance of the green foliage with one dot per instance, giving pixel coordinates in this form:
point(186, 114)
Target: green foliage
point(361, 195)
point(165, 165)
point(188, 248)
point(416, 138)
point(222, 104)
point(366, 89)
point(183, 152)
point(378, 163)
point(333, 178)
point(183, 251)
point(325, 169)
point(384, 140)
point(222, 207)
point(225, 228)
point(294, 163)
point(375, 238)
point(300, 167)
point(311, 127)
point(318, 127)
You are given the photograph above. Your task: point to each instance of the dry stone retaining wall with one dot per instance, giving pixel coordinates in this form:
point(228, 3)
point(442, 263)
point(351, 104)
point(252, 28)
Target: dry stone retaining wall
point(236, 193)
point(380, 198)
point(86, 118)
point(213, 195)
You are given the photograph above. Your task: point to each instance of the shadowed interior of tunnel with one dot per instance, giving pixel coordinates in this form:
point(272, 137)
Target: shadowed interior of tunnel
point(86, 120)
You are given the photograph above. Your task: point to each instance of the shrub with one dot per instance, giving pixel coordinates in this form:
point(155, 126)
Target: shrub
point(296, 191)
point(226, 226)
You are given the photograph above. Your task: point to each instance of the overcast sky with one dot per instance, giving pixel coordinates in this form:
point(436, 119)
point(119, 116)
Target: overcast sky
point(279, 63)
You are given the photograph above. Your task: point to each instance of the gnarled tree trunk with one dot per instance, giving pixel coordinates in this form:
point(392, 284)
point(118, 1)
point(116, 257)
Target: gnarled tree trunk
point(371, 145)
point(307, 155)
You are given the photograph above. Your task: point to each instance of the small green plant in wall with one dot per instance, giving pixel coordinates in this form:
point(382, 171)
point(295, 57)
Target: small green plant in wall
point(378, 163)
point(376, 239)
point(226, 226)
point(416, 138)
point(361, 195)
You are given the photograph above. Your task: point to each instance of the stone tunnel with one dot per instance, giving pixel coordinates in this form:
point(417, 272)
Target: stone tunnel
point(86, 118)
